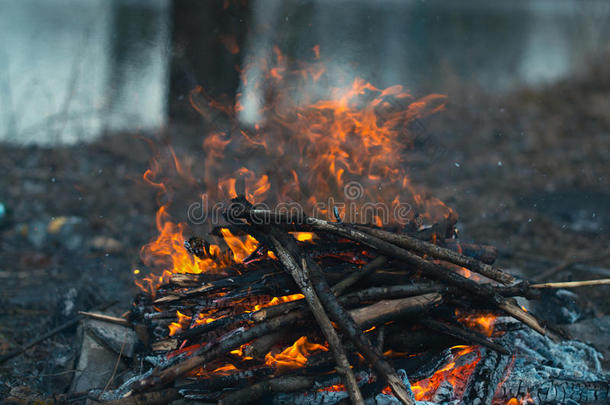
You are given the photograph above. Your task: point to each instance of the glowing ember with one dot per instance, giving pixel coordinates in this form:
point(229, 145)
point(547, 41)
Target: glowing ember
point(525, 400)
point(332, 388)
point(457, 376)
point(303, 236)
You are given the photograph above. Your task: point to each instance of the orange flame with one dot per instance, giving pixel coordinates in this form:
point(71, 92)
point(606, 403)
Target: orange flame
point(225, 370)
point(184, 321)
point(168, 252)
point(302, 150)
point(345, 147)
point(294, 356)
point(279, 300)
point(240, 249)
point(483, 323)
point(356, 134)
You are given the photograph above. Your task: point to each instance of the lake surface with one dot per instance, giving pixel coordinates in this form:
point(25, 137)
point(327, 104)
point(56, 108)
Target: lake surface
point(71, 70)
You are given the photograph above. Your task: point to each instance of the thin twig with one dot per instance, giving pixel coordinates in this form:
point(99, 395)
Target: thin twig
point(573, 284)
point(116, 367)
point(106, 318)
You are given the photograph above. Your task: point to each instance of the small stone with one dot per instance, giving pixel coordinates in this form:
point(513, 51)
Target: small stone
point(96, 364)
point(106, 244)
point(120, 339)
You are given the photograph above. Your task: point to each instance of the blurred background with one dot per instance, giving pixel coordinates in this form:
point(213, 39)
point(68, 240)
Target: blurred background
point(92, 90)
point(74, 70)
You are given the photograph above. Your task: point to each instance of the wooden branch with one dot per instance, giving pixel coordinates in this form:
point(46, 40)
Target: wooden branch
point(469, 336)
point(397, 291)
point(521, 289)
point(353, 278)
point(287, 243)
point(386, 310)
point(259, 348)
point(485, 253)
point(432, 250)
point(215, 349)
point(573, 284)
point(369, 315)
point(227, 282)
point(216, 384)
point(369, 294)
point(255, 392)
point(380, 338)
point(303, 279)
point(106, 318)
point(388, 249)
point(400, 338)
point(275, 310)
point(269, 279)
point(208, 327)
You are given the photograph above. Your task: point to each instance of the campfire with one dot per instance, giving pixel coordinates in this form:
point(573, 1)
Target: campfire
point(319, 311)
point(327, 276)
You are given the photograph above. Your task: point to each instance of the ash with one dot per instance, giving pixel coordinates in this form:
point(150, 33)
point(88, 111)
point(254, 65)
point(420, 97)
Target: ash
point(539, 371)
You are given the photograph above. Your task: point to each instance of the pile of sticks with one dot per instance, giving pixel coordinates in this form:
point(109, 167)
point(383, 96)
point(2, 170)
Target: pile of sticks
point(364, 290)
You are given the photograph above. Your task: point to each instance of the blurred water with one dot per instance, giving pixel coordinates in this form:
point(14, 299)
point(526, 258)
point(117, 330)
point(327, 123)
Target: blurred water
point(428, 46)
point(72, 69)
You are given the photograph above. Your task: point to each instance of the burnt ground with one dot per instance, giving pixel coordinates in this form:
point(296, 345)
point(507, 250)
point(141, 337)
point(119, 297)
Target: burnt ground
point(528, 172)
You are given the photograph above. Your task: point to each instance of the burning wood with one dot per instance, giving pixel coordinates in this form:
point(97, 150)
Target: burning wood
point(355, 307)
point(233, 331)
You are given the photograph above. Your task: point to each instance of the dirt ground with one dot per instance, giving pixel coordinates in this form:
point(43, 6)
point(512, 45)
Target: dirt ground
point(528, 172)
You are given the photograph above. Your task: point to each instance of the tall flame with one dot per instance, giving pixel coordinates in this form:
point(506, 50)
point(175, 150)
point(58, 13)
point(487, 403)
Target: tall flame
point(344, 150)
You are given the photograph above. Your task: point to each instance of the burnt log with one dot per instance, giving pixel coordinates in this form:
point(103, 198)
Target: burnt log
point(256, 391)
point(303, 278)
point(438, 252)
point(484, 253)
point(429, 269)
point(469, 336)
point(346, 323)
